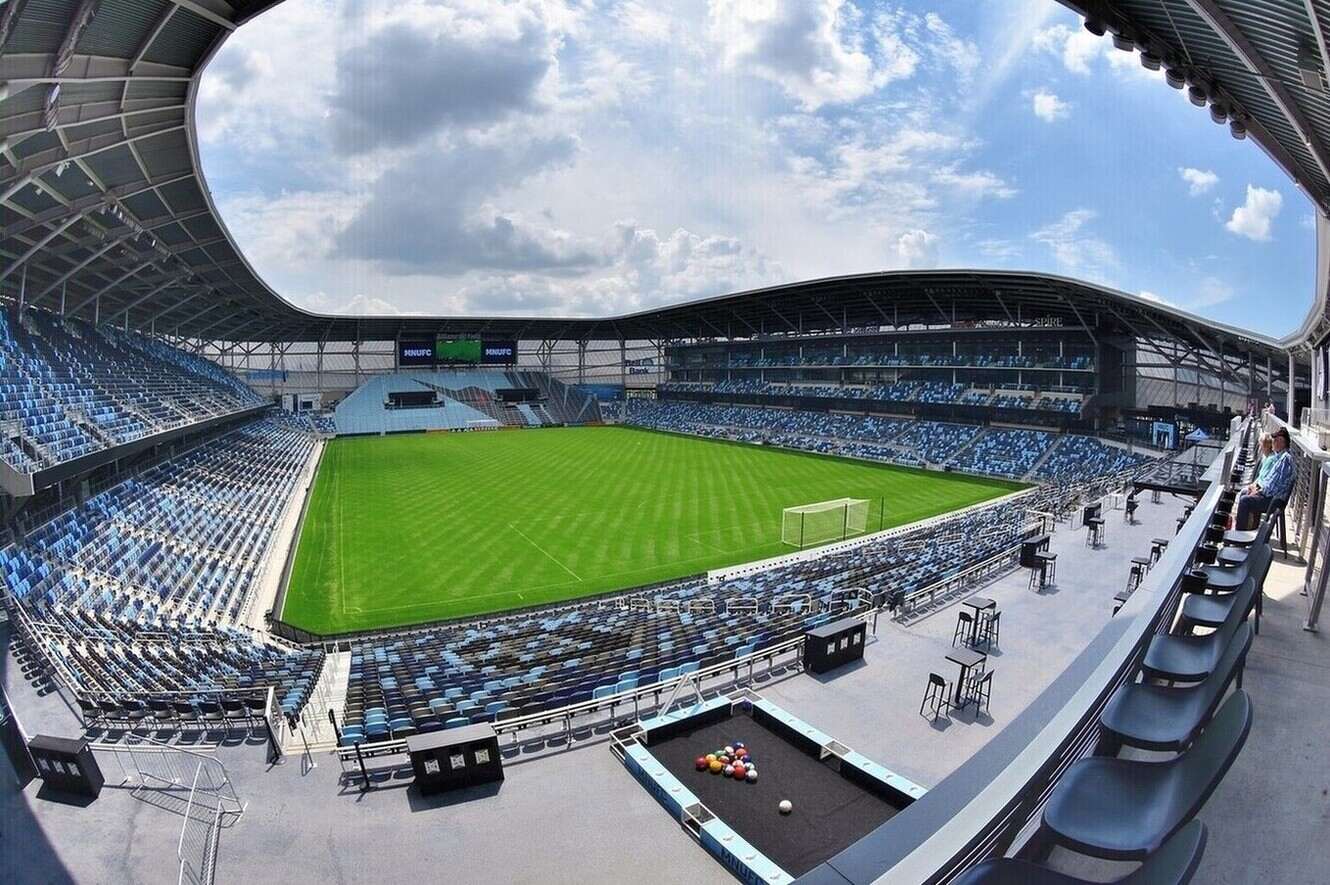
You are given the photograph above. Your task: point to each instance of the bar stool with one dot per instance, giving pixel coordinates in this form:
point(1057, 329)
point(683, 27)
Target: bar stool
point(1140, 565)
point(989, 628)
point(964, 627)
point(1050, 571)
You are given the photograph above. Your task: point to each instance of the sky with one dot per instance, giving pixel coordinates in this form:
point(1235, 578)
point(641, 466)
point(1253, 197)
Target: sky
point(594, 157)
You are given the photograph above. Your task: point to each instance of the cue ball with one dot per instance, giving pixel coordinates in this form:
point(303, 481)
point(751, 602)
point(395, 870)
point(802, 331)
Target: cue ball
point(786, 806)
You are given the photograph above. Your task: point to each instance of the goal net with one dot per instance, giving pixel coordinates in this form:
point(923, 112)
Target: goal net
point(826, 521)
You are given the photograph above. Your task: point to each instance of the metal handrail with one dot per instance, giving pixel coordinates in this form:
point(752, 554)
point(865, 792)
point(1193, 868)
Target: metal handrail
point(229, 800)
point(912, 599)
point(204, 874)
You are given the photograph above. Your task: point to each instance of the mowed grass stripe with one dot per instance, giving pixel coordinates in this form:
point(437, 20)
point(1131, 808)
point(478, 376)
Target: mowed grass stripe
point(417, 527)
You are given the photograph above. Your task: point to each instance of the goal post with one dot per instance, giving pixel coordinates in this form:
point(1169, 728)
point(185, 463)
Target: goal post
point(811, 524)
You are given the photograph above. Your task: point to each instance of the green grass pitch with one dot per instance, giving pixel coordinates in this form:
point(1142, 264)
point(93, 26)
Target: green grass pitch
point(417, 527)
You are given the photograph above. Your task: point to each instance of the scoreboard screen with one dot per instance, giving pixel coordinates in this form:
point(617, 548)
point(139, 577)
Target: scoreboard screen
point(457, 350)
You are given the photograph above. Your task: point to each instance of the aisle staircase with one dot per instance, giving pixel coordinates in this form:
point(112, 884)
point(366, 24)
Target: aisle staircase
point(329, 693)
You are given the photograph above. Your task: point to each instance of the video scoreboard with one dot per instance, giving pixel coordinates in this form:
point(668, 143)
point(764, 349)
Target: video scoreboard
point(442, 351)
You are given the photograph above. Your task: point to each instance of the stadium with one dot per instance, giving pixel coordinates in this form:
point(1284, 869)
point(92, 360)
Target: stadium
point(907, 576)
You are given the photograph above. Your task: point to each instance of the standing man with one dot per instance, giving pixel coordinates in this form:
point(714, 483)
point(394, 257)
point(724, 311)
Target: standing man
point(1273, 482)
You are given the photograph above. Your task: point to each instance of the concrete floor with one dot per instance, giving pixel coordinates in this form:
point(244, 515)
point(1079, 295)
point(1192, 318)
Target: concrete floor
point(576, 815)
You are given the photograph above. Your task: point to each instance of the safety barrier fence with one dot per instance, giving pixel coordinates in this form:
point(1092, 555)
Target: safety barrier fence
point(184, 777)
point(196, 851)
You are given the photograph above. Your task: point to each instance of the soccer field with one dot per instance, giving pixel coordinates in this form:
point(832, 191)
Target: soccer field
point(416, 527)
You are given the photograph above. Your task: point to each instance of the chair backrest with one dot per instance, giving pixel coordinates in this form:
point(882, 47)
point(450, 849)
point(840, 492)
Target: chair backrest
point(1197, 772)
point(963, 616)
point(935, 679)
point(1223, 673)
point(1175, 862)
point(1244, 598)
point(1261, 565)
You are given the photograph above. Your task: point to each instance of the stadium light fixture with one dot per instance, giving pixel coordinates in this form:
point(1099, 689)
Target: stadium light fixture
point(1150, 61)
point(1238, 130)
point(1175, 77)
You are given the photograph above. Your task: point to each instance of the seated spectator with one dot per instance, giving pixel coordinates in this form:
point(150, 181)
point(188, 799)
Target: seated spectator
point(1264, 449)
point(1273, 483)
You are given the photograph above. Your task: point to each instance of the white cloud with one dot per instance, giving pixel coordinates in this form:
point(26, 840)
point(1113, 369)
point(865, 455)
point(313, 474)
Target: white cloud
point(1077, 47)
point(1157, 299)
point(645, 269)
point(1080, 51)
point(999, 250)
point(813, 49)
point(1212, 291)
point(978, 184)
point(1253, 218)
point(1049, 108)
point(1075, 249)
point(1199, 181)
point(356, 305)
point(918, 248)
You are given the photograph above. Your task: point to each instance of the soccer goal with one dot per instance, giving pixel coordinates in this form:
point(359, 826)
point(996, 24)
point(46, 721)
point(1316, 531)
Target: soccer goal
point(811, 524)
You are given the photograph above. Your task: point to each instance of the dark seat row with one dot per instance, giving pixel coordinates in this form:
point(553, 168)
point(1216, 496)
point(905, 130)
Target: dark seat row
point(1142, 810)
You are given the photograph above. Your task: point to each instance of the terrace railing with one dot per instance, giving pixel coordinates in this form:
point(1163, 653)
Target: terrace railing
point(992, 804)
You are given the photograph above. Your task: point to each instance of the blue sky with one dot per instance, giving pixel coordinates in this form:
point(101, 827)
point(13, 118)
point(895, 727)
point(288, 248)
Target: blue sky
point(588, 157)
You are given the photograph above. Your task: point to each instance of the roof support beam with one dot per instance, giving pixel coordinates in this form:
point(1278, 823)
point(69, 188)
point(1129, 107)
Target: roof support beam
point(120, 141)
point(109, 286)
point(90, 203)
point(78, 267)
point(179, 304)
point(150, 37)
point(37, 246)
point(77, 25)
point(212, 10)
point(148, 296)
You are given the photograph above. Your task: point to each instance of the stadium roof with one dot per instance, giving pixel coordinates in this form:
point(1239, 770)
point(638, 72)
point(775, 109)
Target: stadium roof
point(106, 214)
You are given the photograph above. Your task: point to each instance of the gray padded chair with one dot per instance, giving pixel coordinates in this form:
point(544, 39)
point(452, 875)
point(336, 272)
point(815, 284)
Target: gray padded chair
point(1225, 578)
point(1159, 717)
point(1192, 658)
point(1174, 863)
point(1212, 609)
point(1249, 537)
point(1125, 809)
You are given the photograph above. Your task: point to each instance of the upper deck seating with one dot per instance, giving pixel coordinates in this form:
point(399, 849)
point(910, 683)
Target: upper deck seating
point(68, 390)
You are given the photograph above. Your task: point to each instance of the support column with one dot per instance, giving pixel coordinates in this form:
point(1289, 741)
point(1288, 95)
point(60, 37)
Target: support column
point(1289, 399)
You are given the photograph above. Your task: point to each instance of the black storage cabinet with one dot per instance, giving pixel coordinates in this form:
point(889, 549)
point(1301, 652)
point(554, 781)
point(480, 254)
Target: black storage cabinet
point(455, 758)
point(834, 645)
point(67, 765)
